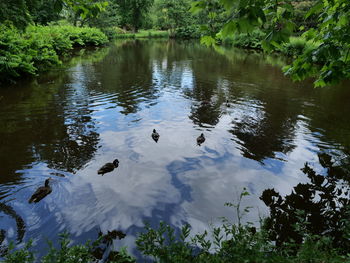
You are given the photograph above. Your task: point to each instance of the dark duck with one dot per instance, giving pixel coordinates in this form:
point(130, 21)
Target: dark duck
point(41, 192)
point(228, 104)
point(155, 135)
point(108, 167)
point(200, 139)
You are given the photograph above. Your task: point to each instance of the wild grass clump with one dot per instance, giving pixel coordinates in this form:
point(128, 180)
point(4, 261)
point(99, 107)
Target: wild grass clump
point(297, 46)
point(245, 40)
point(187, 32)
point(38, 48)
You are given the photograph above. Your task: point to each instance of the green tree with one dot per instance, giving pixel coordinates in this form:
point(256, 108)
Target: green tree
point(173, 14)
point(44, 12)
point(133, 12)
point(16, 11)
point(107, 18)
point(83, 10)
point(21, 12)
point(328, 62)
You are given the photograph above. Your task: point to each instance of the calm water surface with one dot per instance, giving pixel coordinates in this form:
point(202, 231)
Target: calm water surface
point(104, 105)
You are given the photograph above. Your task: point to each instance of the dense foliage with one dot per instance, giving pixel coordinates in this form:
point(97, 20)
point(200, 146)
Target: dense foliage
point(328, 62)
point(133, 12)
point(20, 13)
point(39, 47)
point(89, 252)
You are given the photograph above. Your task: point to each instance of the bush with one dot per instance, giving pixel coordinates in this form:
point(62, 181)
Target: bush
point(86, 253)
point(251, 40)
point(297, 45)
point(187, 32)
point(112, 32)
point(13, 60)
point(39, 47)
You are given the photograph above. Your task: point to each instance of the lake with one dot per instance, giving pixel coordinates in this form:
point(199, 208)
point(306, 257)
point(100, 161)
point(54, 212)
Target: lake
point(103, 104)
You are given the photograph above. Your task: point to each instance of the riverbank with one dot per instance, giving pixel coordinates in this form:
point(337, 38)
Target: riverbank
point(40, 48)
point(255, 40)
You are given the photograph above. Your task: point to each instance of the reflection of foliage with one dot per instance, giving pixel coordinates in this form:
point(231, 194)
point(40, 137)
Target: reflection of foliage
point(92, 55)
point(21, 227)
point(321, 207)
point(264, 135)
point(205, 114)
point(130, 75)
point(233, 243)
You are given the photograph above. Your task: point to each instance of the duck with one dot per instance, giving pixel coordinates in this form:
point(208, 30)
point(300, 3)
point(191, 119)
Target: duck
point(41, 192)
point(108, 167)
point(155, 135)
point(228, 104)
point(200, 139)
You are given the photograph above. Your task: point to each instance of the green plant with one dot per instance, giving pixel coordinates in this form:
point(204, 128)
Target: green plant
point(84, 253)
point(246, 40)
point(329, 62)
point(23, 255)
point(187, 32)
point(297, 45)
point(38, 48)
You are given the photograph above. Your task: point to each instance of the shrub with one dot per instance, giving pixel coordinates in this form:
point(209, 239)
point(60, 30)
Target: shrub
point(39, 47)
point(297, 45)
point(251, 40)
point(13, 61)
point(112, 32)
point(187, 32)
point(85, 253)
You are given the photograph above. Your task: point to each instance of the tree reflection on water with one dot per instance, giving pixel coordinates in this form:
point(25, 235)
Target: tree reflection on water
point(319, 207)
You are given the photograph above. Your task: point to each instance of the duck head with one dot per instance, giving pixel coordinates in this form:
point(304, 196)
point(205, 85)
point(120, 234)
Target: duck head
point(154, 130)
point(116, 162)
point(47, 181)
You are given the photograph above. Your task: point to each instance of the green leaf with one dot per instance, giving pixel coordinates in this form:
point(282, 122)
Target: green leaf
point(228, 4)
point(208, 40)
point(197, 6)
point(315, 9)
point(229, 28)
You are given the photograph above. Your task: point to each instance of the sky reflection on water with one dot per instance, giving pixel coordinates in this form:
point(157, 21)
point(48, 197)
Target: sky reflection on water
point(100, 109)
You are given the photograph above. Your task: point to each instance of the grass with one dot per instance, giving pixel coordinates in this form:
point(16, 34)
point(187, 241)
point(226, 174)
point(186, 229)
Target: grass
point(151, 33)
